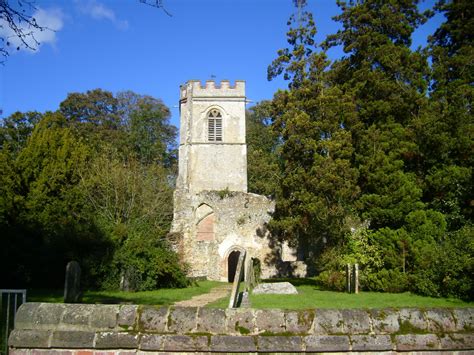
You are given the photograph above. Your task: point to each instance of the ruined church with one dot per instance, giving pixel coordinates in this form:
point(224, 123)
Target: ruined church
point(215, 218)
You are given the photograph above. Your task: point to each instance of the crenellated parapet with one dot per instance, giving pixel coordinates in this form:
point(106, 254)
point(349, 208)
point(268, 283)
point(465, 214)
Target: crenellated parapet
point(195, 88)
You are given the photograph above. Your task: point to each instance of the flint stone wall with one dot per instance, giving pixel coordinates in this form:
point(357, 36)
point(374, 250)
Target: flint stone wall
point(128, 329)
point(239, 224)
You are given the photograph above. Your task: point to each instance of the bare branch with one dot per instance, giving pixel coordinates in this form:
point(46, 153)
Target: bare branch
point(21, 24)
point(156, 3)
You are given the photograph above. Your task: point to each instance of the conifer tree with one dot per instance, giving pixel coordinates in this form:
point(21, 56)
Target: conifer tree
point(317, 183)
point(446, 133)
point(389, 83)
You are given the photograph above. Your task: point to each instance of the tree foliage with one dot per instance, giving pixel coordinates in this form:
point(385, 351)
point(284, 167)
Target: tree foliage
point(89, 182)
point(373, 147)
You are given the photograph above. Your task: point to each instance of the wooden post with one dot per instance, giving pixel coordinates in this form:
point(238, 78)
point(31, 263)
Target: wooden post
point(355, 283)
point(348, 278)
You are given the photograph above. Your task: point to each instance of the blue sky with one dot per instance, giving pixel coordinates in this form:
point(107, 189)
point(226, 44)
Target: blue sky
point(125, 45)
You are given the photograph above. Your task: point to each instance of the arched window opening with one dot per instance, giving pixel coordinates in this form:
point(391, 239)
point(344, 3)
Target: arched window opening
point(214, 126)
point(205, 228)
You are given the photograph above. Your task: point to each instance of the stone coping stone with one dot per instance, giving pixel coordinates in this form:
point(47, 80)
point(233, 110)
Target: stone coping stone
point(275, 288)
point(30, 339)
point(171, 329)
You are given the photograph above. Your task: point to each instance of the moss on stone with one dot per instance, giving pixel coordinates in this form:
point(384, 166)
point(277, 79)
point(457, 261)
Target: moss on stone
point(306, 317)
point(284, 334)
point(407, 328)
point(241, 330)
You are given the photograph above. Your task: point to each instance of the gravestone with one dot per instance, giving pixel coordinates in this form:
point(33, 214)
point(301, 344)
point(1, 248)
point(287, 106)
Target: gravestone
point(239, 273)
point(72, 284)
point(276, 288)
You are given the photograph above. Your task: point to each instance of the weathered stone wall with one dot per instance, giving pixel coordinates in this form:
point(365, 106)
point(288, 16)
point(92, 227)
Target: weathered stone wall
point(112, 329)
point(239, 223)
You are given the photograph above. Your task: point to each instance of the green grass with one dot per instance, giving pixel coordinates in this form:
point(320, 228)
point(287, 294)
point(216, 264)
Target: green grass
point(161, 297)
point(310, 296)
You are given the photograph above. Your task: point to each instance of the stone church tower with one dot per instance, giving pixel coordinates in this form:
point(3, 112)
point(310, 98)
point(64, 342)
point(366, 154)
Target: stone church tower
point(215, 219)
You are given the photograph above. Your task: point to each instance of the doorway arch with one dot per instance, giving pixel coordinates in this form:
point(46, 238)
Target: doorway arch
point(232, 261)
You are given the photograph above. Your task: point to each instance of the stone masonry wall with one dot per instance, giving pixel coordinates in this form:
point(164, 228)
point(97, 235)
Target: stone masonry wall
point(239, 224)
point(126, 329)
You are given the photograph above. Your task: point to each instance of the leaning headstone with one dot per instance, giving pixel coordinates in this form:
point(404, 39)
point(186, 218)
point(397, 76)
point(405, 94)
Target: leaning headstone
point(239, 273)
point(72, 284)
point(278, 288)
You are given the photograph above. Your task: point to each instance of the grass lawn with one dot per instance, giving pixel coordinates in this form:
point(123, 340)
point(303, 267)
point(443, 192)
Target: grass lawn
point(161, 297)
point(310, 296)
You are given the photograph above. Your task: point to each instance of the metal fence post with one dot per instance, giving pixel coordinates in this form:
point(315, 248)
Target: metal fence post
point(8, 312)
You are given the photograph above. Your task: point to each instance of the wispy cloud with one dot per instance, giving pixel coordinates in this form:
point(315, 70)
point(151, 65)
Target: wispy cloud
point(99, 11)
point(51, 20)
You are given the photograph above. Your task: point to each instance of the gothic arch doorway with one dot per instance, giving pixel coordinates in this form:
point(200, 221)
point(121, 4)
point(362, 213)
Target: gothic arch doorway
point(232, 261)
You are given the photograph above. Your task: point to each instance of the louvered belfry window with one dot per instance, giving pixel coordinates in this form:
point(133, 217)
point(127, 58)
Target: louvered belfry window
point(214, 126)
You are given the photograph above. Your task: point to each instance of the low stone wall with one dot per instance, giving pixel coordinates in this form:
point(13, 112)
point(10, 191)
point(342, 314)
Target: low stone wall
point(112, 329)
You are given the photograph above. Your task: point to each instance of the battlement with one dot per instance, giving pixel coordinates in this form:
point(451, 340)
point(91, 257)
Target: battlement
point(195, 88)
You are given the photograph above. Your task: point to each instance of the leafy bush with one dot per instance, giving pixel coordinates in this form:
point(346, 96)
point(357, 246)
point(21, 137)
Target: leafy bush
point(386, 281)
point(142, 264)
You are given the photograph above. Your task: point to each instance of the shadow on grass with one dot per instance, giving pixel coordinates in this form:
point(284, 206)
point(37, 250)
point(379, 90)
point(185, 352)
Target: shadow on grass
point(92, 297)
point(108, 299)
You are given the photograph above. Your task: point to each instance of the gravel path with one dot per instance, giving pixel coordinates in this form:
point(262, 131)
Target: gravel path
point(201, 300)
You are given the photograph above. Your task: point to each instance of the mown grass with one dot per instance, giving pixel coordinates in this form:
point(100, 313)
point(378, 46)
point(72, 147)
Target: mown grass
point(160, 297)
point(311, 296)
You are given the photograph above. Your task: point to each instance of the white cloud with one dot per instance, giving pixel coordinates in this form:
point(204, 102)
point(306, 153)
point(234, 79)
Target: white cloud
point(99, 11)
point(51, 20)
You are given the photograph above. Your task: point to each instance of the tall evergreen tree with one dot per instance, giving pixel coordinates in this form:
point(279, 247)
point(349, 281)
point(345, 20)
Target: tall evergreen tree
point(317, 185)
point(389, 83)
point(446, 134)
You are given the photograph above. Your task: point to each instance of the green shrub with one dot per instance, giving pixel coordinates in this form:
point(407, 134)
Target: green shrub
point(144, 265)
point(386, 281)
